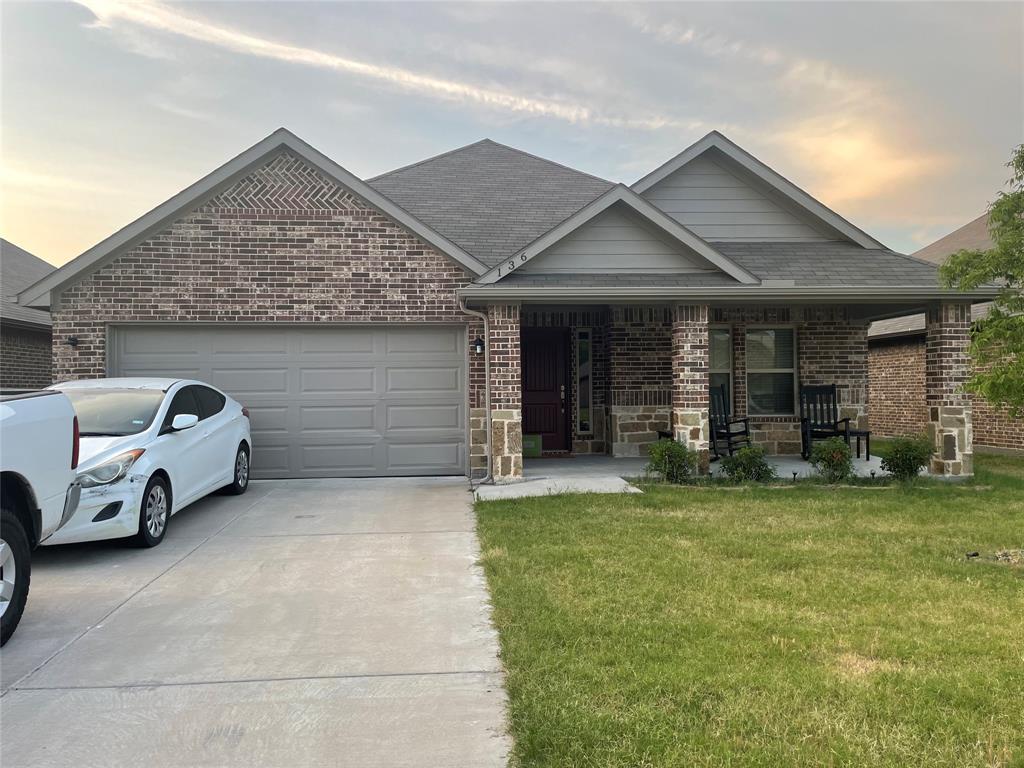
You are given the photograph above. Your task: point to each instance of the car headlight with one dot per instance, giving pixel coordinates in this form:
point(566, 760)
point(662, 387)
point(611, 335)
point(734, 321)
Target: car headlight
point(110, 471)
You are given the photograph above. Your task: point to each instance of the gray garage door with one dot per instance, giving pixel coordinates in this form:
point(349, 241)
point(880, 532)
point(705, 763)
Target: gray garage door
point(358, 401)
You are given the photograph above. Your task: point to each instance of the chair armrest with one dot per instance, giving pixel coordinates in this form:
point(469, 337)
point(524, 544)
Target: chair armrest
point(845, 423)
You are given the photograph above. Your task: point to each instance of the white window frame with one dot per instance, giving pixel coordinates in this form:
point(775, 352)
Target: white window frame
point(732, 363)
point(795, 370)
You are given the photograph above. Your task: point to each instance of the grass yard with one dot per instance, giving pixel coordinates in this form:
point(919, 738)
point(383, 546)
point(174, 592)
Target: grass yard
point(775, 626)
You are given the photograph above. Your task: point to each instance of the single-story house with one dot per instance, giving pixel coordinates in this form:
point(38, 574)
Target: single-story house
point(422, 321)
point(25, 348)
point(896, 362)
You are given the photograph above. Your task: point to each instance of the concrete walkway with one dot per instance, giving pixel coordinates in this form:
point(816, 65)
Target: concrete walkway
point(572, 474)
point(306, 623)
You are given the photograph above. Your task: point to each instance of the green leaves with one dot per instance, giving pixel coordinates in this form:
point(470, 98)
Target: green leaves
point(997, 346)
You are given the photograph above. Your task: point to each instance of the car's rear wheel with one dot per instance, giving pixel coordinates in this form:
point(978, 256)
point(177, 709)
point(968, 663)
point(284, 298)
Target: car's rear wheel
point(155, 513)
point(15, 572)
point(240, 479)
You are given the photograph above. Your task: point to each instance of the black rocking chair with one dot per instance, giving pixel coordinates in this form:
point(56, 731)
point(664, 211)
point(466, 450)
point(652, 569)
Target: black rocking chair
point(728, 435)
point(819, 416)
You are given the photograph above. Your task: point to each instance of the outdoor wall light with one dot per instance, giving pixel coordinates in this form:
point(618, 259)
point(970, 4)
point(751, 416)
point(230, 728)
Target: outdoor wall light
point(478, 345)
point(72, 341)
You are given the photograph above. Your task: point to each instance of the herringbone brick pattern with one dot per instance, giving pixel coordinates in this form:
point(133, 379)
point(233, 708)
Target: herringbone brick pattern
point(285, 183)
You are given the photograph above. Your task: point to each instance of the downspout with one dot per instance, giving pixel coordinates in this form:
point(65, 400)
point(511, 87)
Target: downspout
point(487, 390)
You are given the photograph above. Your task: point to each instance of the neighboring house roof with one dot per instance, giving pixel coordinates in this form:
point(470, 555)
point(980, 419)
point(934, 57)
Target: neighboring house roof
point(490, 199)
point(621, 195)
point(972, 236)
point(209, 185)
point(716, 142)
point(18, 270)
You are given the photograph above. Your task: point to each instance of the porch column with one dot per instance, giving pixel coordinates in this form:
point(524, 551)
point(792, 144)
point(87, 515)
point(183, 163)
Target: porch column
point(947, 335)
point(506, 392)
point(690, 378)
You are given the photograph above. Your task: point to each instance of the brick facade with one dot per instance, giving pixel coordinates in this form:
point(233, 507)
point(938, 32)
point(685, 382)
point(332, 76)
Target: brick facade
point(284, 244)
point(690, 379)
point(506, 392)
point(946, 368)
point(831, 349)
point(896, 368)
point(25, 358)
point(639, 377)
point(896, 385)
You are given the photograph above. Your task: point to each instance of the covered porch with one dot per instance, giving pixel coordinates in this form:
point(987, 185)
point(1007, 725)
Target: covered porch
point(601, 382)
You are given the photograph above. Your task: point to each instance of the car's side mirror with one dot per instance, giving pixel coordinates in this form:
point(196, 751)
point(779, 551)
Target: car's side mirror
point(184, 421)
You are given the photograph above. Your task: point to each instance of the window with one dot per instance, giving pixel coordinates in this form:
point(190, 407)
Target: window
point(210, 401)
point(584, 382)
point(114, 412)
point(771, 371)
point(720, 362)
point(184, 402)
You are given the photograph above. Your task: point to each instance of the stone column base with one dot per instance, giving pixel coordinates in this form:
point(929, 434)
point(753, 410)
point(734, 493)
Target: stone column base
point(506, 445)
point(949, 428)
point(634, 427)
point(691, 428)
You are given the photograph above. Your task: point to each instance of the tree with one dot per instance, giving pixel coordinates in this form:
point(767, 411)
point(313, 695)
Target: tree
point(997, 342)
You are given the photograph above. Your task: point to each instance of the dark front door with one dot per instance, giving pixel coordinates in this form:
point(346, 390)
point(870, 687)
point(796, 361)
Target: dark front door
point(545, 353)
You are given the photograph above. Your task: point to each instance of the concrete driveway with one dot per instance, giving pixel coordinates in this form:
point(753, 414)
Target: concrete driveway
point(306, 623)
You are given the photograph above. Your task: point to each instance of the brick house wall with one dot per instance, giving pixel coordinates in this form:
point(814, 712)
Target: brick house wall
point(25, 358)
point(831, 349)
point(896, 383)
point(896, 368)
point(639, 377)
point(283, 244)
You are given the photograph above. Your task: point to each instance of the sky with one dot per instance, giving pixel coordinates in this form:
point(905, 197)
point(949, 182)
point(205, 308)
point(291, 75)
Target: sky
point(899, 116)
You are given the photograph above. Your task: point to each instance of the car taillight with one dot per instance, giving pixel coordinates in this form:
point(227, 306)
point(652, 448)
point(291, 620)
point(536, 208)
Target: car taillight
point(75, 438)
point(245, 412)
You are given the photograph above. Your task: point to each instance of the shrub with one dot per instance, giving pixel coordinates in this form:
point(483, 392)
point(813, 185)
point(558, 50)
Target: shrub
point(832, 459)
point(907, 456)
point(676, 463)
point(748, 465)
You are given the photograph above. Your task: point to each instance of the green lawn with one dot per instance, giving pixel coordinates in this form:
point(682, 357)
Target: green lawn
point(773, 626)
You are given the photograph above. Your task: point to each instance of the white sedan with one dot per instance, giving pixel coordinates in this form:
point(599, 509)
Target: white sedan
point(149, 448)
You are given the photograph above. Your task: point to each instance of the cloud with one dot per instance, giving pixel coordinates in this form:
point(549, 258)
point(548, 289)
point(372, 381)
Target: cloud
point(154, 16)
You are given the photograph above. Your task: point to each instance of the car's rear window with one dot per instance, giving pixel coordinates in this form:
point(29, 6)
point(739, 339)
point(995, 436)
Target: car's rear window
point(114, 412)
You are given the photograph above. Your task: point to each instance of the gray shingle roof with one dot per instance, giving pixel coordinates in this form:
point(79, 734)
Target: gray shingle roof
point(616, 280)
point(18, 270)
point(488, 198)
point(830, 264)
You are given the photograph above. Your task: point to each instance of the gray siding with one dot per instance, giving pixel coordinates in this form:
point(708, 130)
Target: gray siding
point(615, 240)
point(718, 204)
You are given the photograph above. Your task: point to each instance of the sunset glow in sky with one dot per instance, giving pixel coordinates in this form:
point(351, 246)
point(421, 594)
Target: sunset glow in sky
point(899, 116)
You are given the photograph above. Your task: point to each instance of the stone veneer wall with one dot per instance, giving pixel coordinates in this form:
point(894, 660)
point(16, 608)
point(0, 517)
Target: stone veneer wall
point(639, 377)
point(25, 358)
point(831, 349)
point(947, 335)
point(506, 392)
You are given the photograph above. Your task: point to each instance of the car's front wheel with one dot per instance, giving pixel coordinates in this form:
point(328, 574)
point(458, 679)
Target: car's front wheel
point(240, 479)
point(15, 572)
point(154, 513)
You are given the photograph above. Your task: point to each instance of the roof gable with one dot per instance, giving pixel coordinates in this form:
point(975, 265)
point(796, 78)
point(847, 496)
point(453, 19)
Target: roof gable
point(214, 184)
point(18, 270)
point(489, 198)
point(796, 214)
point(620, 195)
point(971, 236)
